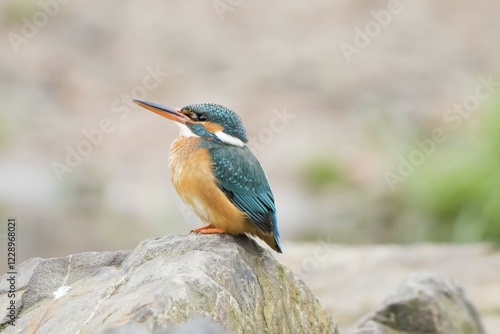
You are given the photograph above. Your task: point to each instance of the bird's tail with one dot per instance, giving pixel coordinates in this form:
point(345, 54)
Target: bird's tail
point(272, 240)
point(276, 233)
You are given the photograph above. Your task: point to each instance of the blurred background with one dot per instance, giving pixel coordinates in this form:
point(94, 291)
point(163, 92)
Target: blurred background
point(376, 123)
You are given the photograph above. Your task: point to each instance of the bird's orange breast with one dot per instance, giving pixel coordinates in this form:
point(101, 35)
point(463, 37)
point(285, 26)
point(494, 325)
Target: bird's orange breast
point(193, 179)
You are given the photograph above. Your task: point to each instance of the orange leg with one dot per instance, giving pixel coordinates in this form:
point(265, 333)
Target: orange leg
point(212, 231)
point(196, 230)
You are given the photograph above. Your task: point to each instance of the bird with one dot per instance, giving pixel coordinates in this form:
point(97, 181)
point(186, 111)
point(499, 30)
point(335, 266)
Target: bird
point(216, 174)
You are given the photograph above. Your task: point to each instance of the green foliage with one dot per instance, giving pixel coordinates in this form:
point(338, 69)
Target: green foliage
point(321, 172)
point(459, 186)
point(16, 10)
point(9, 129)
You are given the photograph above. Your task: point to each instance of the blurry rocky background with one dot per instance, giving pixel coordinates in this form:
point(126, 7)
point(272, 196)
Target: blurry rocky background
point(376, 123)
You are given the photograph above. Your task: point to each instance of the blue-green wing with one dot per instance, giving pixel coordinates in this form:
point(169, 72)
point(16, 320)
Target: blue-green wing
point(241, 177)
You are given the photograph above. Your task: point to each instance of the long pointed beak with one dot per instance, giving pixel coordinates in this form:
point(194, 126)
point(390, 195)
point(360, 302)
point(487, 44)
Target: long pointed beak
point(171, 113)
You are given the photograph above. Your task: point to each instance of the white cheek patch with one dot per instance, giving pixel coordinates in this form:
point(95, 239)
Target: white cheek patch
point(184, 131)
point(228, 139)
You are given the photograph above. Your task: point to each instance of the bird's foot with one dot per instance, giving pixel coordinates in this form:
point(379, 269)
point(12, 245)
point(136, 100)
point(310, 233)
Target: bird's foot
point(200, 229)
point(213, 230)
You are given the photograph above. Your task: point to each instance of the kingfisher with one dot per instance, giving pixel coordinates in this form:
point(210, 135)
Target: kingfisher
point(216, 174)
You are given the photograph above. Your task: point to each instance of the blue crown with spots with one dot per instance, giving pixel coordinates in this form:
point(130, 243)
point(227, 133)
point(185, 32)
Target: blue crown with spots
point(221, 115)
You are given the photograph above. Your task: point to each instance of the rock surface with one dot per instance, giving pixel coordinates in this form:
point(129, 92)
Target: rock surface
point(353, 280)
point(193, 326)
point(423, 304)
point(163, 282)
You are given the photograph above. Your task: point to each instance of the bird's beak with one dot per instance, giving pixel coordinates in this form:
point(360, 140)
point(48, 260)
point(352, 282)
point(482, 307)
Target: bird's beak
point(171, 113)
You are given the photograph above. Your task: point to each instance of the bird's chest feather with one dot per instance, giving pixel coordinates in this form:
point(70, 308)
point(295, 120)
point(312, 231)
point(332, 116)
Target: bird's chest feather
point(193, 177)
point(181, 152)
point(191, 173)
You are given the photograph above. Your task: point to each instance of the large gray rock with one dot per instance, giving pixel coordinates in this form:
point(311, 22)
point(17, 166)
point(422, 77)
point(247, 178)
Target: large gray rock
point(164, 282)
point(423, 304)
point(193, 326)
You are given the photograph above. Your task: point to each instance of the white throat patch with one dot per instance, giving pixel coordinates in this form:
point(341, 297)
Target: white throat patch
point(184, 131)
point(228, 139)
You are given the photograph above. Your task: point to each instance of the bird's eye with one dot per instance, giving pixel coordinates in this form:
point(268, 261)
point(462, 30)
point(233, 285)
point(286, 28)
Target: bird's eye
point(202, 118)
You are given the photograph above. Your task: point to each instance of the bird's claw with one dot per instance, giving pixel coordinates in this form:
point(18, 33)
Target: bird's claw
point(200, 229)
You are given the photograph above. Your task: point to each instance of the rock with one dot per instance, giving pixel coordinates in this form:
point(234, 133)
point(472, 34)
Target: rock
point(162, 283)
point(424, 304)
point(352, 280)
point(197, 325)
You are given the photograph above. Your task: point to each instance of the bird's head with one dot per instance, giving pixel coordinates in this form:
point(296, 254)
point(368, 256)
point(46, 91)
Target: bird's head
point(207, 120)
